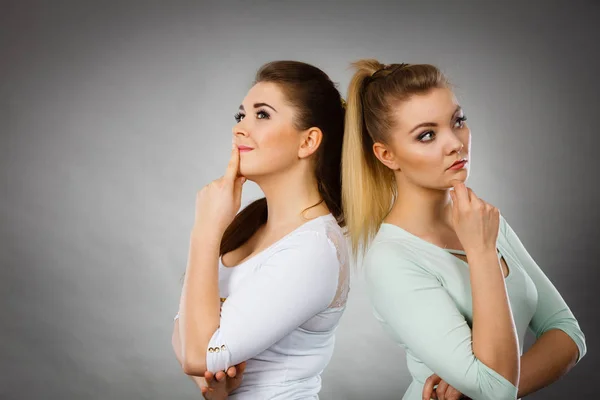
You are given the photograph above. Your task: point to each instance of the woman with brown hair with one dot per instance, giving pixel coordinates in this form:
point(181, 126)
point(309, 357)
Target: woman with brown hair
point(268, 286)
point(448, 278)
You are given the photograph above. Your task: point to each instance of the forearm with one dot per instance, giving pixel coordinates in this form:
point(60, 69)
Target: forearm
point(199, 303)
point(494, 338)
point(175, 341)
point(550, 357)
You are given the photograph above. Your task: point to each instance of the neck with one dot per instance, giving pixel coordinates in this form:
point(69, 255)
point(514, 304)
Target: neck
point(421, 208)
point(288, 194)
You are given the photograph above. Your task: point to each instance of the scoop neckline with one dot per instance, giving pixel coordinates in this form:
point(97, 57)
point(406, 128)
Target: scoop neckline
point(499, 252)
point(412, 235)
point(263, 251)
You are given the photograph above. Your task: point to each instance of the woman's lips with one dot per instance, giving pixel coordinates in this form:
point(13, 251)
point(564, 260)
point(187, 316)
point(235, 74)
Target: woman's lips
point(244, 149)
point(458, 164)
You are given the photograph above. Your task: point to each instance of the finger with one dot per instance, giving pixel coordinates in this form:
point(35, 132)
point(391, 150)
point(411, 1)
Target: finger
point(452, 394)
point(428, 386)
point(231, 372)
point(208, 376)
point(472, 195)
point(206, 392)
point(454, 200)
point(237, 190)
point(234, 164)
point(220, 376)
point(462, 195)
point(441, 390)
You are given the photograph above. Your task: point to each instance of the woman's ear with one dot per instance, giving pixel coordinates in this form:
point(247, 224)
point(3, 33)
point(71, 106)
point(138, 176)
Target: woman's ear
point(310, 140)
point(386, 156)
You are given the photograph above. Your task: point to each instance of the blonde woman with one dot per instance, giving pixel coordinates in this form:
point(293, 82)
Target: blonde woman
point(448, 278)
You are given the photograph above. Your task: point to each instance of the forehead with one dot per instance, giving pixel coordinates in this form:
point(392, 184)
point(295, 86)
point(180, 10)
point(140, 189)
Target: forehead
point(264, 92)
point(435, 105)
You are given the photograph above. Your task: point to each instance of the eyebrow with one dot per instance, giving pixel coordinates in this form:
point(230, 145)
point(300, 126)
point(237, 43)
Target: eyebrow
point(433, 124)
point(258, 105)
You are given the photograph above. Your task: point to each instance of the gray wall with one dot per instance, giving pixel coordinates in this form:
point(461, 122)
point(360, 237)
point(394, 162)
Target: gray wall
point(114, 113)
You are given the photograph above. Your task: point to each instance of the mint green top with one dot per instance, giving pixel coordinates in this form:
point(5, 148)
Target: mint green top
point(421, 294)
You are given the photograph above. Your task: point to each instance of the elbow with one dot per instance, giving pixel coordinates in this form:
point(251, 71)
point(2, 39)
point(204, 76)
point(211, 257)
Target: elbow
point(193, 366)
point(501, 368)
point(571, 338)
point(485, 383)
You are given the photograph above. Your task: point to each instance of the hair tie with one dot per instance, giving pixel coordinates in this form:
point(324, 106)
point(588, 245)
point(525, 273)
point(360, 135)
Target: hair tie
point(390, 66)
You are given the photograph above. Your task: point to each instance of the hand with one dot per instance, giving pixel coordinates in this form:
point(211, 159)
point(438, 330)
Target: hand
point(220, 385)
point(476, 222)
point(443, 390)
point(219, 201)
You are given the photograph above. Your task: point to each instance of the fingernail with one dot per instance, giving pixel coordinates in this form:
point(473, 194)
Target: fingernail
point(243, 179)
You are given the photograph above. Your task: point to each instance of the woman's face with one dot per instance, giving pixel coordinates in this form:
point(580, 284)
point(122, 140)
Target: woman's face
point(429, 137)
point(265, 133)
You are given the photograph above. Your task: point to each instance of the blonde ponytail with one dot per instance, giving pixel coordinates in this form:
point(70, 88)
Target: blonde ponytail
point(368, 186)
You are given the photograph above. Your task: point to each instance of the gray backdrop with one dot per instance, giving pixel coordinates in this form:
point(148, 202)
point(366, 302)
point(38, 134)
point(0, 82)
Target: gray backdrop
point(114, 113)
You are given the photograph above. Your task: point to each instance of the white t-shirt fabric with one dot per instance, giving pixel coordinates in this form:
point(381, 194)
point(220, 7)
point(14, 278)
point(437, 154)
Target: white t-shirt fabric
point(279, 312)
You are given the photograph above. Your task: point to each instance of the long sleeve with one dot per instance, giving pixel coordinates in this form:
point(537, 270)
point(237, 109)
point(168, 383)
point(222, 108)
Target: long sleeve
point(552, 311)
point(295, 283)
point(423, 316)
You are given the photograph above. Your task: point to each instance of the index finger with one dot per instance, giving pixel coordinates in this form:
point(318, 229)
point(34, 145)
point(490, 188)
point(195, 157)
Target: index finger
point(460, 190)
point(428, 386)
point(234, 163)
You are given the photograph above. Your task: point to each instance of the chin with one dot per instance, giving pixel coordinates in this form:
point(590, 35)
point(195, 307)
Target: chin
point(251, 174)
point(459, 177)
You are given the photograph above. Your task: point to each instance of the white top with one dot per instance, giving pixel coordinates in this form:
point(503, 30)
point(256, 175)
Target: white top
point(279, 312)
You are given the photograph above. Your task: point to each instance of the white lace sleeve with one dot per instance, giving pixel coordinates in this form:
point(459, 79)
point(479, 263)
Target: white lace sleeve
point(340, 242)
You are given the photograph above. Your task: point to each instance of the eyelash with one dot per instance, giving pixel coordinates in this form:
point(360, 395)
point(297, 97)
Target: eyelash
point(461, 120)
point(240, 116)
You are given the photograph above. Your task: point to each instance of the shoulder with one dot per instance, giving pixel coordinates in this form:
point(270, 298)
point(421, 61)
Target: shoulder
point(505, 231)
point(316, 240)
point(503, 226)
point(391, 256)
point(393, 244)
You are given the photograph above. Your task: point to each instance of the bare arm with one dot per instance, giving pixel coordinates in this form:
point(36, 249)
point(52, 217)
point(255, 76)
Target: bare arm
point(495, 341)
point(200, 382)
point(199, 304)
point(550, 357)
point(494, 338)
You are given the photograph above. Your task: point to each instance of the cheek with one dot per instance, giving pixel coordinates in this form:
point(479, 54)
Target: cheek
point(274, 150)
point(422, 159)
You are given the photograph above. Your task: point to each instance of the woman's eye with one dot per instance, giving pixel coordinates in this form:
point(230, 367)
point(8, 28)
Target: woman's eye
point(238, 117)
point(262, 115)
point(426, 136)
point(460, 122)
